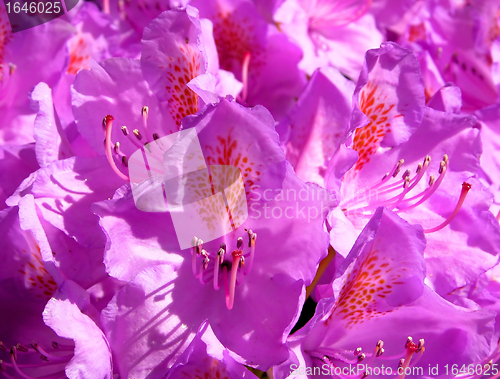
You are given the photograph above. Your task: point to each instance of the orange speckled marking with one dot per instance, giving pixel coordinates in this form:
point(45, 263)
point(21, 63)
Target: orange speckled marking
point(79, 56)
point(210, 368)
point(369, 281)
point(5, 32)
point(368, 138)
point(234, 38)
point(231, 152)
point(36, 277)
point(183, 101)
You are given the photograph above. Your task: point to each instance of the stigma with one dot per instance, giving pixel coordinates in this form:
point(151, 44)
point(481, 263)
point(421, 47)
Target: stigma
point(221, 266)
point(144, 141)
point(402, 195)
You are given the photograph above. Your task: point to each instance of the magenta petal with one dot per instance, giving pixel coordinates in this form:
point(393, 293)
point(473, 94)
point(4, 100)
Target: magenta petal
point(16, 163)
point(65, 190)
point(116, 87)
point(318, 124)
point(50, 145)
point(92, 355)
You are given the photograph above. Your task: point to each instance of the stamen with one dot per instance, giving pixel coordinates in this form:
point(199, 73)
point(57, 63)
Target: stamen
point(47, 355)
point(109, 125)
point(145, 113)
point(220, 260)
point(411, 348)
point(125, 131)
point(234, 273)
point(244, 75)
point(465, 190)
point(252, 238)
point(195, 251)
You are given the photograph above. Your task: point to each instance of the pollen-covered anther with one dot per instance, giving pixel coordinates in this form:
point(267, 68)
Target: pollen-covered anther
point(432, 179)
point(21, 348)
point(361, 357)
point(137, 134)
point(420, 345)
point(125, 130)
point(409, 340)
point(358, 351)
point(206, 260)
point(232, 268)
point(380, 348)
point(398, 168)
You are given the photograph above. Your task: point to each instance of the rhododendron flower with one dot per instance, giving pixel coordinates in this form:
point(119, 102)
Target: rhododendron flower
point(250, 189)
point(223, 280)
point(380, 300)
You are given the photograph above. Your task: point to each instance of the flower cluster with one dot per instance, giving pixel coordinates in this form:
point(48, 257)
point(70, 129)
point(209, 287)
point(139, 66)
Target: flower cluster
point(251, 189)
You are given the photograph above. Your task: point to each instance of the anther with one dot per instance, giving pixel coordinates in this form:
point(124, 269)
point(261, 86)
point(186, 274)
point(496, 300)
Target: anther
point(137, 134)
point(401, 363)
point(420, 345)
point(2, 346)
point(13, 352)
point(3, 367)
point(125, 130)
point(44, 358)
point(125, 161)
point(358, 351)
point(407, 182)
point(442, 165)
point(145, 111)
point(55, 345)
point(249, 231)
point(21, 348)
point(239, 244)
point(406, 174)
point(432, 179)
point(242, 262)
point(146, 145)
point(408, 341)
point(365, 375)
point(116, 148)
point(206, 260)
point(361, 357)
point(156, 136)
point(419, 167)
point(398, 168)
